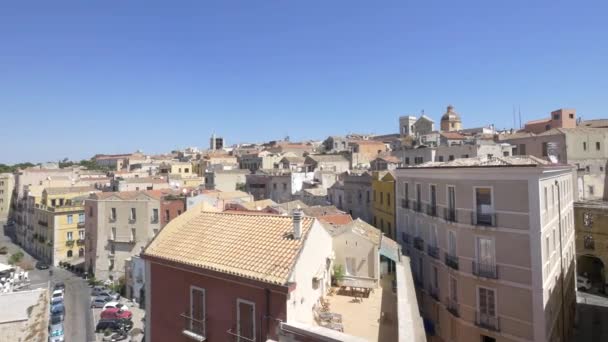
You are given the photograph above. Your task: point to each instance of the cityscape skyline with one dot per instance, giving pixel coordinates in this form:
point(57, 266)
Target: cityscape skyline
point(74, 72)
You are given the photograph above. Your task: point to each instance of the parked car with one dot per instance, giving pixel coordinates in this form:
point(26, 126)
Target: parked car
point(42, 265)
point(57, 294)
point(99, 302)
point(114, 325)
point(111, 305)
point(56, 333)
point(116, 313)
point(58, 309)
point(119, 335)
point(97, 289)
point(57, 300)
point(59, 286)
point(582, 283)
point(111, 296)
point(56, 319)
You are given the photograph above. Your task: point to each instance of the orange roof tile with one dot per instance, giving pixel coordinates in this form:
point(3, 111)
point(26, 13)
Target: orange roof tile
point(336, 219)
point(258, 247)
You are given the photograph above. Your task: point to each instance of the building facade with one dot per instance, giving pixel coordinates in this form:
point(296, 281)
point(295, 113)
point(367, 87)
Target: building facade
point(591, 224)
point(358, 196)
point(461, 224)
point(383, 203)
point(7, 185)
point(561, 118)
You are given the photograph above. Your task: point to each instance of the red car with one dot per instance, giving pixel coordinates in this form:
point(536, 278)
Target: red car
point(115, 313)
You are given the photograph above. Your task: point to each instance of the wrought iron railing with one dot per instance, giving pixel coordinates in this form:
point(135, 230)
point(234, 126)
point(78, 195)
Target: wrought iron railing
point(486, 321)
point(483, 219)
point(485, 270)
point(451, 261)
point(433, 251)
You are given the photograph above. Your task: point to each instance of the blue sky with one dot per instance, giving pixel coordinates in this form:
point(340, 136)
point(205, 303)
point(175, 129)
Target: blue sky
point(85, 77)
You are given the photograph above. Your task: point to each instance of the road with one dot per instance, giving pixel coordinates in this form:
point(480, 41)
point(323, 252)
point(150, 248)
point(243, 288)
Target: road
point(78, 323)
point(592, 320)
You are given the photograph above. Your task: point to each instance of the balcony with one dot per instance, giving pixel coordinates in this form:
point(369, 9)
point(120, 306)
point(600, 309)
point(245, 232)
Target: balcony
point(434, 292)
point(451, 261)
point(43, 223)
point(80, 224)
point(80, 242)
point(449, 214)
point(487, 322)
point(431, 210)
point(417, 206)
point(485, 270)
point(419, 243)
point(132, 220)
point(112, 219)
point(69, 243)
point(452, 306)
point(483, 219)
point(194, 329)
point(433, 251)
point(153, 219)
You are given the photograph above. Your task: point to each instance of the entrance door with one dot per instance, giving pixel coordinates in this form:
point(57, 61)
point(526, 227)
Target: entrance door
point(245, 320)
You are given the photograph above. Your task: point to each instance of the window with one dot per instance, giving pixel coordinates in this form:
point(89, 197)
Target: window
point(546, 200)
point(545, 149)
point(487, 305)
point(53, 202)
point(167, 216)
point(433, 193)
point(451, 157)
point(367, 196)
point(547, 249)
point(133, 215)
point(587, 168)
point(154, 232)
point(197, 310)
point(453, 289)
point(388, 199)
point(284, 186)
point(406, 189)
point(521, 149)
point(591, 192)
point(274, 186)
point(571, 116)
point(132, 234)
point(505, 153)
point(81, 218)
point(112, 249)
point(589, 242)
point(69, 254)
point(407, 160)
point(389, 229)
point(90, 211)
point(554, 239)
point(418, 194)
point(451, 243)
point(597, 145)
point(155, 215)
point(584, 146)
point(440, 158)
point(381, 197)
point(113, 236)
point(113, 214)
point(70, 219)
point(245, 320)
point(435, 278)
point(555, 116)
point(464, 156)
point(81, 234)
point(382, 225)
point(179, 212)
point(483, 206)
point(485, 251)
point(433, 236)
point(81, 252)
point(70, 236)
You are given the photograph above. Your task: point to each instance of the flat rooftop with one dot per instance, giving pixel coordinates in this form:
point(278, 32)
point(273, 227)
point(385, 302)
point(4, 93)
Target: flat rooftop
point(15, 305)
point(373, 318)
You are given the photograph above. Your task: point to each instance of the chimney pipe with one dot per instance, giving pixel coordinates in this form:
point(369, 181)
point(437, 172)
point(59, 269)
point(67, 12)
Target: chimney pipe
point(297, 223)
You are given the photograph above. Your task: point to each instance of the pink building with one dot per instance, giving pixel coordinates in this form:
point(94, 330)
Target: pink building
point(561, 118)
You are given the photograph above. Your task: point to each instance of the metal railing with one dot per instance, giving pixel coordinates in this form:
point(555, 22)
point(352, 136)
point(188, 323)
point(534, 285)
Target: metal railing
point(43, 223)
point(432, 251)
point(452, 306)
point(417, 206)
point(486, 321)
point(485, 270)
point(483, 219)
point(405, 203)
point(434, 292)
point(451, 261)
point(132, 220)
point(80, 225)
point(195, 329)
point(419, 243)
point(449, 214)
point(235, 336)
point(431, 210)
point(80, 242)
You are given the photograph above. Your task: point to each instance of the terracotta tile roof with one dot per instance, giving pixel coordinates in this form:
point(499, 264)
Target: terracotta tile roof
point(318, 210)
point(360, 227)
point(326, 158)
point(452, 135)
point(336, 219)
point(130, 195)
point(258, 247)
point(261, 204)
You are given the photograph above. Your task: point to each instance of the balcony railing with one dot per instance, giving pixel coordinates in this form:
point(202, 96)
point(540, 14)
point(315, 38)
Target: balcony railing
point(431, 210)
point(235, 336)
point(419, 243)
point(486, 321)
point(80, 224)
point(194, 329)
point(452, 306)
point(417, 206)
point(483, 219)
point(405, 203)
point(132, 220)
point(433, 251)
point(449, 214)
point(43, 223)
point(434, 292)
point(485, 270)
point(80, 242)
point(69, 243)
point(451, 261)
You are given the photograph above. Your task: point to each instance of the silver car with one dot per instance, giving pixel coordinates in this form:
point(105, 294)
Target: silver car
point(56, 332)
point(99, 302)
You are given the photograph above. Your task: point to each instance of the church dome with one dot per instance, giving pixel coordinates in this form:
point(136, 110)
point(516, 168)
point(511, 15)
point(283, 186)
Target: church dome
point(450, 115)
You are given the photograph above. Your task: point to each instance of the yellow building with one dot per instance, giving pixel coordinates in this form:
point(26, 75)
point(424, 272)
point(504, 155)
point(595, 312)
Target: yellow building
point(383, 202)
point(183, 169)
point(58, 222)
point(591, 230)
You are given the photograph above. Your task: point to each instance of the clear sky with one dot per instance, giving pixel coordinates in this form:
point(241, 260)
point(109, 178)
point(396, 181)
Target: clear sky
point(85, 77)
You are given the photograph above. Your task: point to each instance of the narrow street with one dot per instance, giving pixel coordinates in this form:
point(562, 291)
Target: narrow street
point(592, 321)
point(78, 322)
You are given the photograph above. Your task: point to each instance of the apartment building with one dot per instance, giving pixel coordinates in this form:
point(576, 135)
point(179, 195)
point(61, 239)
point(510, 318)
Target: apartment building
point(472, 149)
point(561, 118)
point(7, 184)
point(118, 225)
point(492, 246)
point(357, 189)
point(591, 224)
point(225, 180)
point(584, 147)
point(139, 183)
point(329, 162)
point(260, 160)
point(278, 185)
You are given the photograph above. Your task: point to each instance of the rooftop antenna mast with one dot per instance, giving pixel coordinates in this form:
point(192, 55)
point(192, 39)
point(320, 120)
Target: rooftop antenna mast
point(514, 119)
point(519, 117)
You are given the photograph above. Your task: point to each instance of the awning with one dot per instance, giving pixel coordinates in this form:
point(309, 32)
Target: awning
point(75, 262)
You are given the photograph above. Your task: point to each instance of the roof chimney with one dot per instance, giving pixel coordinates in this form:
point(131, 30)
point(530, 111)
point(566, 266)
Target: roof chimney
point(297, 223)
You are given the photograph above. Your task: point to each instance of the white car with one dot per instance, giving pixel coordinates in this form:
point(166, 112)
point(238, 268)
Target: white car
point(57, 294)
point(582, 283)
point(117, 305)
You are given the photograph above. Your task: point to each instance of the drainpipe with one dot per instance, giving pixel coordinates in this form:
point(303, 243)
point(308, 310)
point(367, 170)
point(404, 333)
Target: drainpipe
point(561, 260)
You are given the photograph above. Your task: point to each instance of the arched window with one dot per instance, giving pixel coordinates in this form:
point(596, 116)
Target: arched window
point(81, 252)
point(70, 253)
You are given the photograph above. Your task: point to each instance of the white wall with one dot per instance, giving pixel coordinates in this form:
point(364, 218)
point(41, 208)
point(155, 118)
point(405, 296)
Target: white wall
point(313, 257)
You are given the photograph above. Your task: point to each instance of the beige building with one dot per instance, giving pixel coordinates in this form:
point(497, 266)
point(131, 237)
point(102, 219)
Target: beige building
point(118, 225)
point(492, 246)
point(225, 180)
point(140, 183)
point(7, 184)
point(584, 147)
point(591, 223)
